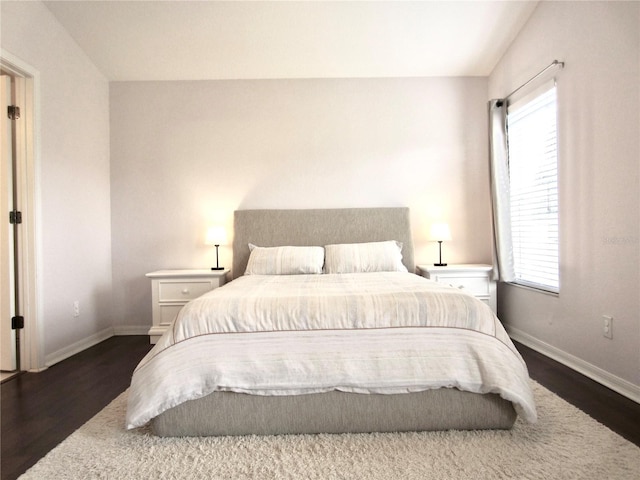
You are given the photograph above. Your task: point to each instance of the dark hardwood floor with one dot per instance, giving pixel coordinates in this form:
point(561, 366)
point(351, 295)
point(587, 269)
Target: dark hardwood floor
point(39, 410)
point(617, 412)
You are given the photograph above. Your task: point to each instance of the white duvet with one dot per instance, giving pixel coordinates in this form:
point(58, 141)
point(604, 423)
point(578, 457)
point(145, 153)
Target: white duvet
point(386, 333)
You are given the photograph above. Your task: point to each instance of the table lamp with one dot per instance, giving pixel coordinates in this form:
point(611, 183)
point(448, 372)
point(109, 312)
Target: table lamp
point(440, 232)
point(216, 236)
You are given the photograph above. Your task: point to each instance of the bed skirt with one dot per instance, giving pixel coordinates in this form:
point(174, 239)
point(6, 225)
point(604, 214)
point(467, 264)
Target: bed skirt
point(228, 413)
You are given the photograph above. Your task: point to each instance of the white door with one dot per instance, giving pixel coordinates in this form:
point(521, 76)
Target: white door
point(7, 284)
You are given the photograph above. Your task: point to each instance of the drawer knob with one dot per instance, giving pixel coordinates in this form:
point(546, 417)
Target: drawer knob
point(185, 291)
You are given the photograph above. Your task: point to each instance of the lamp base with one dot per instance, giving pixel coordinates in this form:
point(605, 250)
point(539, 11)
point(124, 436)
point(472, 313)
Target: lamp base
point(217, 268)
point(439, 264)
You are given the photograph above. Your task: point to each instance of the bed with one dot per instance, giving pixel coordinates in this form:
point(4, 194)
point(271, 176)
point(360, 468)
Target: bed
point(325, 328)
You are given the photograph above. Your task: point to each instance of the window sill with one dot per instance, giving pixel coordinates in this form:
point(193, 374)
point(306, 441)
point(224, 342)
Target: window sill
point(533, 289)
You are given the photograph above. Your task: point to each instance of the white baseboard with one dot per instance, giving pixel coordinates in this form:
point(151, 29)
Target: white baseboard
point(121, 330)
point(615, 383)
point(78, 347)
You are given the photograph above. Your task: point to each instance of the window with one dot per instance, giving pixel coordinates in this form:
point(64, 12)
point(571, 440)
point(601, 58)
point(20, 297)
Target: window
point(533, 183)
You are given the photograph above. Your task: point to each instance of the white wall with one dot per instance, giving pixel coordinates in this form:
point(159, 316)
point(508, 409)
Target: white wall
point(185, 155)
point(74, 227)
point(599, 158)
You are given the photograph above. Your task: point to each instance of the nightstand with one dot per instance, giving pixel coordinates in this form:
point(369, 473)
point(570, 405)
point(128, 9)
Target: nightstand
point(474, 278)
point(172, 289)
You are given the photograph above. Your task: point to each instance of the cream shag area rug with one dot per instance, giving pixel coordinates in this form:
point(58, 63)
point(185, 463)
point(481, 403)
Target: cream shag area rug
point(564, 444)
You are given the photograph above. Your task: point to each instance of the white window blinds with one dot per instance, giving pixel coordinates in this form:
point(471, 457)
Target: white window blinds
point(533, 181)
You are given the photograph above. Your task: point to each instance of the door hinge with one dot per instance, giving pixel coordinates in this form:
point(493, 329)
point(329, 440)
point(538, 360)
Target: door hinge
point(14, 112)
point(15, 217)
point(17, 323)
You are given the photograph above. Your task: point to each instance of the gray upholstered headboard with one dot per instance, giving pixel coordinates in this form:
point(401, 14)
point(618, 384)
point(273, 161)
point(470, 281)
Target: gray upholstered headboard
point(272, 228)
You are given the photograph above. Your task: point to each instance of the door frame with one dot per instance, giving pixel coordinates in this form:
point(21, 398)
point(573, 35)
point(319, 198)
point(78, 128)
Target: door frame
point(30, 241)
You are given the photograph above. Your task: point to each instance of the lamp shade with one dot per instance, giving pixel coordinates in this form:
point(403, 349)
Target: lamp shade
point(440, 232)
point(216, 236)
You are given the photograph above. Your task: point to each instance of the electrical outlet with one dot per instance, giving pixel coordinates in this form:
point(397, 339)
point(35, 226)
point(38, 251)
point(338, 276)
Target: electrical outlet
point(76, 308)
point(607, 326)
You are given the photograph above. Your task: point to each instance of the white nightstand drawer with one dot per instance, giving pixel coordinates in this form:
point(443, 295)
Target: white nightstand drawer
point(474, 279)
point(473, 285)
point(182, 291)
point(168, 313)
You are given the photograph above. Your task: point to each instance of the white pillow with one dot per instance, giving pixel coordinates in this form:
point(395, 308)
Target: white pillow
point(284, 260)
point(364, 257)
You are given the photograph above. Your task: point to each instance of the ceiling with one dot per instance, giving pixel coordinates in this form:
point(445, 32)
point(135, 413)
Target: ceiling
point(205, 40)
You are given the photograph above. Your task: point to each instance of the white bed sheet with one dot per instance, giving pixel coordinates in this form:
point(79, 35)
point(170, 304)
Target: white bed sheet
point(387, 332)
